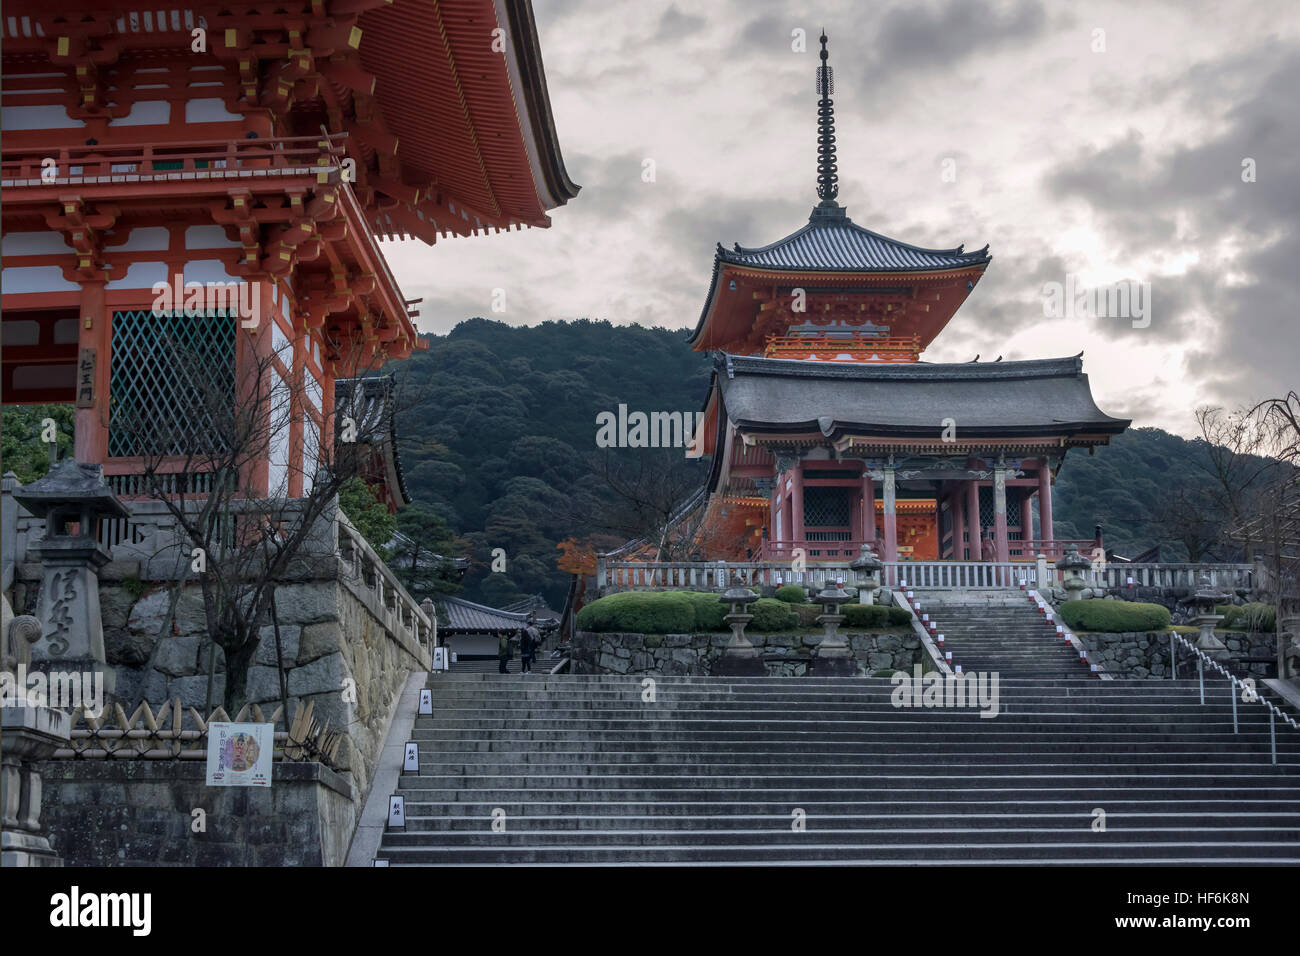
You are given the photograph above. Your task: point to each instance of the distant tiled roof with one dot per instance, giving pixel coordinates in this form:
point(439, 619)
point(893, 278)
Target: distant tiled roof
point(834, 243)
point(1041, 396)
point(462, 615)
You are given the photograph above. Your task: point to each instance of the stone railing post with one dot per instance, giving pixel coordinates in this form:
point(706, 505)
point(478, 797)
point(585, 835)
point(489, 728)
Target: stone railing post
point(1042, 572)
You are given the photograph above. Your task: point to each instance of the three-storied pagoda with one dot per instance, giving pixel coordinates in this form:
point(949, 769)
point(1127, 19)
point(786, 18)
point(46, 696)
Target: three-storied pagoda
point(827, 431)
point(267, 148)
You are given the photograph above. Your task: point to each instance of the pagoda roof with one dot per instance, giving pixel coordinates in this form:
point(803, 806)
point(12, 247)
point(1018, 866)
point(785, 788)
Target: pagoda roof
point(833, 251)
point(1035, 397)
point(835, 243)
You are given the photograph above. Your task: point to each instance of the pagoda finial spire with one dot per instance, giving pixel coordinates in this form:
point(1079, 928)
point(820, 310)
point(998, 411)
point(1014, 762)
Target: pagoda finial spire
point(827, 178)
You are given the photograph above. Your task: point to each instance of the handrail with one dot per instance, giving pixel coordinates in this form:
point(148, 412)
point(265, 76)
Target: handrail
point(306, 155)
point(1250, 694)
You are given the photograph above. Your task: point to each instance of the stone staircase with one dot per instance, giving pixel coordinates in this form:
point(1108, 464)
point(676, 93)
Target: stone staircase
point(1004, 634)
point(714, 770)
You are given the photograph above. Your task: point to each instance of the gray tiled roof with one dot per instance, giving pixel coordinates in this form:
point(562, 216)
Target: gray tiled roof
point(462, 615)
point(1043, 396)
point(830, 244)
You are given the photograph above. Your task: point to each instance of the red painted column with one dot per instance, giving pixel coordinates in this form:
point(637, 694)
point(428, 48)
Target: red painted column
point(1026, 516)
point(868, 510)
point(957, 506)
point(796, 503)
point(1000, 513)
point(94, 332)
point(973, 519)
point(1045, 502)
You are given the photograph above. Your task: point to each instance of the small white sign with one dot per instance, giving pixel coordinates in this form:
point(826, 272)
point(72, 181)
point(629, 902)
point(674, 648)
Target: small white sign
point(426, 702)
point(440, 658)
point(396, 811)
point(239, 755)
point(380, 863)
point(412, 762)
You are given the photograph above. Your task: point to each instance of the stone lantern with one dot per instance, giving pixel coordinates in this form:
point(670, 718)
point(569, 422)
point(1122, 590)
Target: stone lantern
point(833, 656)
point(866, 569)
point(1204, 600)
point(72, 633)
point(1072, 567)
point(739, 658)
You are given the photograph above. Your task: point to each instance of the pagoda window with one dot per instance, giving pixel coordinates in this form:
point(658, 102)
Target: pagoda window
point(169, 374)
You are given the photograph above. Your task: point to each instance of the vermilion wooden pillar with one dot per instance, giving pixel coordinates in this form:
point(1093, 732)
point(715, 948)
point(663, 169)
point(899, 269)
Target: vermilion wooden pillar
point(90, 432)
point(868, 510)
point(1045, 502)
point(973, 519)
point(796, 502)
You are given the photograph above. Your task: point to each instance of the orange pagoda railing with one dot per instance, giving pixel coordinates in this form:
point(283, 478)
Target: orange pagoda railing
point(859, 347)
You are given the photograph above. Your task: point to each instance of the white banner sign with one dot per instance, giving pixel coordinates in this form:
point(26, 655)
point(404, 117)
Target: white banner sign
point(239, 755)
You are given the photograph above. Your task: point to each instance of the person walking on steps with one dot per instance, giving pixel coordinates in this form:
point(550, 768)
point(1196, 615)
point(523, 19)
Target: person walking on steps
point(528, 643)
point(503, 652)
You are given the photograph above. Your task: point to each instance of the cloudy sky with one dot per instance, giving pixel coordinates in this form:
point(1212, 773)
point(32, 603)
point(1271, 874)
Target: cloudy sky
point(1103, 140)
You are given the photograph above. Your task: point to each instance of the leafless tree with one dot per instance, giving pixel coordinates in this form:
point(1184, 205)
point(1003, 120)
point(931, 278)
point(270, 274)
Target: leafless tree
point(204, 442)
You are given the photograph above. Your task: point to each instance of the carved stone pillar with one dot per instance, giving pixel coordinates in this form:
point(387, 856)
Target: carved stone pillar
point(1000, 512)
point(891, 517)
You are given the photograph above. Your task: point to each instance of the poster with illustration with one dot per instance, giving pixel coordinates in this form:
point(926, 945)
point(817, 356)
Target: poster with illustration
point(239, 755)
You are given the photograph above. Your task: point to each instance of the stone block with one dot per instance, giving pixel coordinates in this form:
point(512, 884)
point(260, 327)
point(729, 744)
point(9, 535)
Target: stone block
point(290, 640)
point(177, 656)
point(192, 690)
point(309, 603)
point(318, 640)
point(322, 676)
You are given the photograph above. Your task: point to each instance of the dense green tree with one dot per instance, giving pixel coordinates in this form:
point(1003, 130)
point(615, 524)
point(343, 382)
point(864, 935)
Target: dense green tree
point(375, 522)
point(22, 449)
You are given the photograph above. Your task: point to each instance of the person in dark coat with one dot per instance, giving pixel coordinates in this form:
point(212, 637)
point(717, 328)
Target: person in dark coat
point(503, 652)
point(527, 648)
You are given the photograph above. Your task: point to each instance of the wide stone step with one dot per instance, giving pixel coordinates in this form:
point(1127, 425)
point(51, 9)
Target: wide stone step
point(1078, 851)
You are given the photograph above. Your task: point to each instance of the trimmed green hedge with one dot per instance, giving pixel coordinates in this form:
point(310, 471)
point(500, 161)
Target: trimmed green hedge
point(792, 594)
point(1254, 617)
point(687, 612)
point(875, 615)
point(641, 612)
point(773, 615)
point(1113, 617)
point(709, 611)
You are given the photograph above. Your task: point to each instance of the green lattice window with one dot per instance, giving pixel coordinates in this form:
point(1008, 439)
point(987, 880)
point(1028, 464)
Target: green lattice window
point(826, 507)
point(172, 383)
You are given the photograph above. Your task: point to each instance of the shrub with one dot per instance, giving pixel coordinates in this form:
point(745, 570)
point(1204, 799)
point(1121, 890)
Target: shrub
point(641, 612)
point(773, 615)
point(710, 612)
point(875, 615)
point(1114, 616)
point(1254, 617)
point(807, 613)
point(791, 594)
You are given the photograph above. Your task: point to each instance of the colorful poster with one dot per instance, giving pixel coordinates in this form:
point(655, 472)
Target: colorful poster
point(239, 755)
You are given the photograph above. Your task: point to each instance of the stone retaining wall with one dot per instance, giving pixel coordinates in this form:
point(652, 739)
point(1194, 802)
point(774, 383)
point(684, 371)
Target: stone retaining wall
point(124, 812)
point(1146, 653)
point(786, 655)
